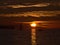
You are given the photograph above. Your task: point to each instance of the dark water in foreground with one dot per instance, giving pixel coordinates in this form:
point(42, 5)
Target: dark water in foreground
point(22, 35)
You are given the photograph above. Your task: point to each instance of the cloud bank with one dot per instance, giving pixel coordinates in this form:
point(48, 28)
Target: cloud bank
point(33, 14)
point(34, 5)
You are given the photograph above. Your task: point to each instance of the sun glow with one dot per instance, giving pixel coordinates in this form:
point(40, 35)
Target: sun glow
point(33, 24)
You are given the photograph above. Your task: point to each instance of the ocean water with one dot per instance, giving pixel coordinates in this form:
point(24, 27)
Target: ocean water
point(47, 33)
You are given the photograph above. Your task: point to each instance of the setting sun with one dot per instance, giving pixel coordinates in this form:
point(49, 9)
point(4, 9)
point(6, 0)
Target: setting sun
point(33, 24)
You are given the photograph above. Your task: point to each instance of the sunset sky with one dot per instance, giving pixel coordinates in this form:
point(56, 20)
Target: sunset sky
point(28, 8)
point(27, 2)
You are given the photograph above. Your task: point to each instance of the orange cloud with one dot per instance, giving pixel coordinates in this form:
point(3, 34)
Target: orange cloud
point(35, 5)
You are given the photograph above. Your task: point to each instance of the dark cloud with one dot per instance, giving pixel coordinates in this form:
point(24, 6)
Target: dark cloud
point(26, 1)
